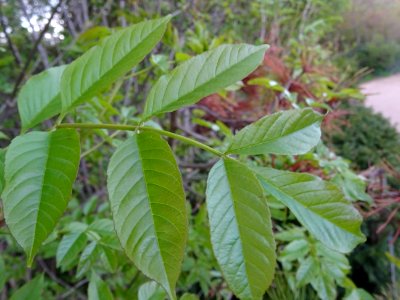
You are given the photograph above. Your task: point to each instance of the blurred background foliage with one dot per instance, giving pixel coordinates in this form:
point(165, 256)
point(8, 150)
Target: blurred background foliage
point(320, 50)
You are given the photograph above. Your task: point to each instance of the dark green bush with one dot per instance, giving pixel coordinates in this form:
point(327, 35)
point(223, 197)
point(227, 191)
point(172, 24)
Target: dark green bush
point(380, 55)
point(367, 138)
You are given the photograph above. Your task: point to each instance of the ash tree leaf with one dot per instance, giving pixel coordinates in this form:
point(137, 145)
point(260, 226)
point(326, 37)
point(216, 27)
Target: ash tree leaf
point(40, 97)
point(40, 168)
point(241, 232)
point(31, 290)
point(201, 76)
point(69, 248)
point(287, 132)
point(148, 206)
point(318, 205)
point(98, 289)
point(105, 63)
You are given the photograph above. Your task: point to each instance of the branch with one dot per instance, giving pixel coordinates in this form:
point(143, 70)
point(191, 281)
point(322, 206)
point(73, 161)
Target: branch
point(32, 52)
point(143, 128)
point(13, 48)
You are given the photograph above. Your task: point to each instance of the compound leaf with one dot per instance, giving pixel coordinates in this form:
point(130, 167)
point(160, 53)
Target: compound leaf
point(148, 205)
point(112, 58)
point(40, 97)
point(319, 205)
point(201, 76)
point(241, 232)
point(40, 168)
point(287, 132)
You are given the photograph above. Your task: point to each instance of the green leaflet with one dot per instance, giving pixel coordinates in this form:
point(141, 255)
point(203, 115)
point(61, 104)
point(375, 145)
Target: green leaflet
point(201, 76)
point(151, 291)
point(40, 98)
point(241, 232)
point(288, 132)
point(307, 271)
point(105, 63)
point(148, 205)
point(69, 248)
point(31, 290)
point(98, 289)
point(318, 205)
point(40, 168)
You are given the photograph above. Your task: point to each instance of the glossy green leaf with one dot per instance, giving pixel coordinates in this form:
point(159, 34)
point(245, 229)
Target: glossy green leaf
point(40, 98)
point(2, 158)
point(201, 76)
point(31, 290)
point(105, 63)
point(318, 205)
point(307, 271)
point(90, 255)
point(40, 168)
point(98, 289)
point(69, 248)
point(241, 232)
point(287, 132)
point(148, 205)
point(359, 294)
point(325, 286)
point(151, 291)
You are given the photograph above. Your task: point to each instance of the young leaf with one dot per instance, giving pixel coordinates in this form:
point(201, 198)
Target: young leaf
point(40, 98)
point(90, 255)
point(148, 205)
point(201, 76)
point(318, 205)
point(307, 271)
point(105, 63)
point(241, 232)
point(40, 168)
point(69, 248)
point(31, 290)
point(288, 132)
point(98, 289)
point(151, 291)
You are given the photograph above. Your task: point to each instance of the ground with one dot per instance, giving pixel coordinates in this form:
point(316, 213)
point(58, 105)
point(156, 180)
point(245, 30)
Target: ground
point(383, 95)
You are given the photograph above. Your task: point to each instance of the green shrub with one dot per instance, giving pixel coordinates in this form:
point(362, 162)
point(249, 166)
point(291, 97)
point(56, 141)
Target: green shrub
point(380, 55)
point(367, 138)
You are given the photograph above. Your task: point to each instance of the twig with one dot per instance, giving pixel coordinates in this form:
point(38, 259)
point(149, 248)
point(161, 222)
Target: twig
point(13, 48)
point(33, 50)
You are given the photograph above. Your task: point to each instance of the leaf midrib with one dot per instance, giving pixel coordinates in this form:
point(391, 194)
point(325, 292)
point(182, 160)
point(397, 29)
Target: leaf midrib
point(173, 104)
point(48, 145)
point(301, 204)
point(272, 139)
point(92, 90)
point(237, 225)
point(151, 210)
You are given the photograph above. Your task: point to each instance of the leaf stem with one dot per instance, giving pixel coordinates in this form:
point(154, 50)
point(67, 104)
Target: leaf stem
point(142, 128)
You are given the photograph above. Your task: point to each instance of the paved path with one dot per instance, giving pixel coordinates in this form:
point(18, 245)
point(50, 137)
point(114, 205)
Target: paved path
point(383, 95)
